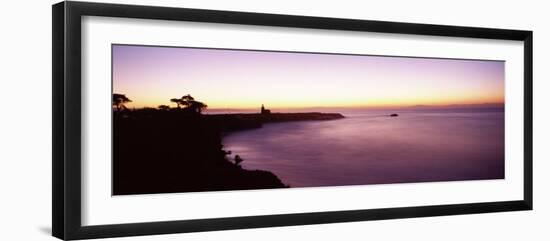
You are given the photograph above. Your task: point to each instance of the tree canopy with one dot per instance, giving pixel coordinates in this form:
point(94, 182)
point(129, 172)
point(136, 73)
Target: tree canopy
point(119, 100)
point(189, 103)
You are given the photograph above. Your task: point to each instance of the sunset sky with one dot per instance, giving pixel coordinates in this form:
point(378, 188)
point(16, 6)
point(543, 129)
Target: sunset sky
point(151, 76)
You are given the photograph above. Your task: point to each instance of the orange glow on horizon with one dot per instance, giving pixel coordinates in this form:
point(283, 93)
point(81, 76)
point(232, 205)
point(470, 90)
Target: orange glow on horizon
point(368, 103)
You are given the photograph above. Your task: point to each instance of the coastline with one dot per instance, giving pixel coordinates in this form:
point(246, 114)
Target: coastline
point(167, 151)
point(243, 121)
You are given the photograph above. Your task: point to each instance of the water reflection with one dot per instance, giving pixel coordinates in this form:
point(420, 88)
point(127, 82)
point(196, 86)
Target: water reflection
point(368, 147)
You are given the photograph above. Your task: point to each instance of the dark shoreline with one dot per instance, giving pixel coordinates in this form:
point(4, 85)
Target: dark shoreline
point(167, 151)
point(243, 121)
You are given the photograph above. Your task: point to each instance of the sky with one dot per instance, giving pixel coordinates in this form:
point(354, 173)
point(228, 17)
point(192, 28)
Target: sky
point(240, 79)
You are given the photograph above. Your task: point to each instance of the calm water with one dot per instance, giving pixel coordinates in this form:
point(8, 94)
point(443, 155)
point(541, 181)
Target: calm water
point(368, 147)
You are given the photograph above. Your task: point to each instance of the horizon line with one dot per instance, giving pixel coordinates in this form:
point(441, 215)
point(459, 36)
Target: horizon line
point(485, 104)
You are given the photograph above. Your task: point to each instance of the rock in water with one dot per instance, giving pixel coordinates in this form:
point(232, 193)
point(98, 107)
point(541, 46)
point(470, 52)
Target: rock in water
point(394, 115)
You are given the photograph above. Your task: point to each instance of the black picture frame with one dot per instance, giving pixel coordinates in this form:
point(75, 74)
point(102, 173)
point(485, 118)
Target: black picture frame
point(66, 170)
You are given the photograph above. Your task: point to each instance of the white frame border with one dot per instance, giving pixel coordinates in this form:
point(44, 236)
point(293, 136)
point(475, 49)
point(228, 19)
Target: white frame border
point(99, 207)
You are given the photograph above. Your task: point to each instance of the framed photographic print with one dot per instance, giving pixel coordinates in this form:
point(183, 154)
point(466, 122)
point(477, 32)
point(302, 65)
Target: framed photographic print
point(170, 120)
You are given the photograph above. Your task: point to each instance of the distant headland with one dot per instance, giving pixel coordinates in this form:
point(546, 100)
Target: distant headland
point(233, 122)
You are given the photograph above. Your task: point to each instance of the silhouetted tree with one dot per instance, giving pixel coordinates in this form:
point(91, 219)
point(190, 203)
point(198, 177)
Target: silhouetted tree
point(177, 101)
point(196, 106)
point(119, 100)
point(164, 107)
point(189, 103)
point(187, 98)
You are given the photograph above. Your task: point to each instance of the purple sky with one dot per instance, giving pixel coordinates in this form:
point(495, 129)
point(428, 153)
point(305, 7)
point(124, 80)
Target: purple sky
point(150, 76)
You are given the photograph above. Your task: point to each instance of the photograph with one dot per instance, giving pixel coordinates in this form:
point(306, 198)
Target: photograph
point(194, 119)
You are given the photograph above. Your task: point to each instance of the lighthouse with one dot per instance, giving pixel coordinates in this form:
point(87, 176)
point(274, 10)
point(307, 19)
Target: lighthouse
point(264, 111)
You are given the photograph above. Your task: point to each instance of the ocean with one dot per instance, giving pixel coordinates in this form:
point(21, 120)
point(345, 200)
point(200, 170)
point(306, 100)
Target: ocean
point(370, 147)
